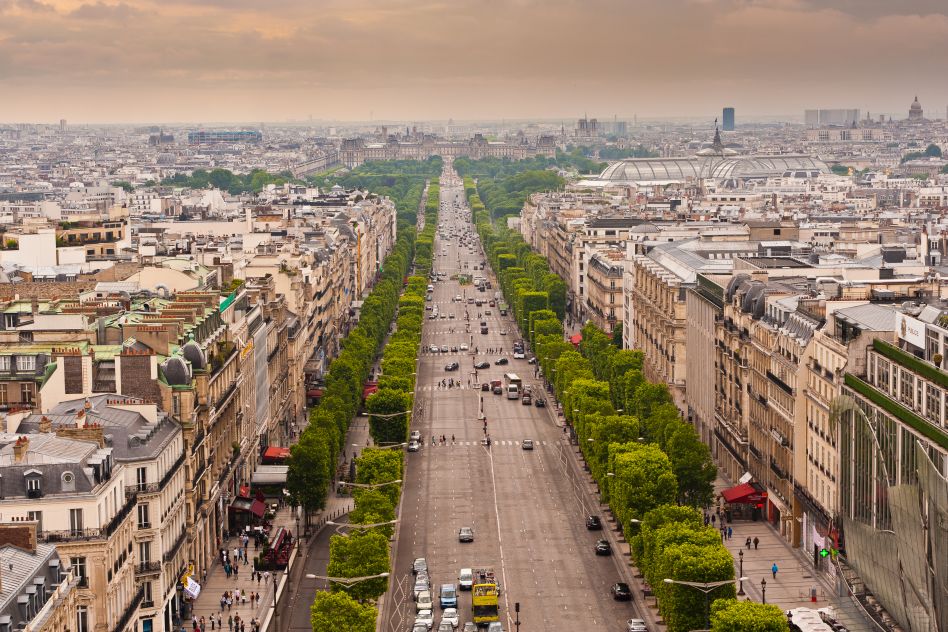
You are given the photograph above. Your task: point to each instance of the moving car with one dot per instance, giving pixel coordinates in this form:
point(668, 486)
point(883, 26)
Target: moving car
point(450, 615)
point(414, 446)
point(503, 332)
point(465, 534)
point(518, 355)
point(445, 626)
point(483, 364)
point(527, 444)
point(495, 626)
point(448, 596)
point(526, 400)
point(620, 592)
point(485, 386)
point(451, 366)
point(532, 360)
point(419, 627)
point(539, 402)
point(415, 435)
point(422, 584)
point(463, 347)
point(603, 547)
point(501, 361)
point(497, 387)
point(636, 625)
point(466, 578)
point(470, 627)
point(593, 523)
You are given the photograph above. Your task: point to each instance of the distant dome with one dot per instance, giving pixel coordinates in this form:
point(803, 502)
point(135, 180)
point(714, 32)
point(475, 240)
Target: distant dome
point(176, 371)
point(193, 353)
point(915, 111)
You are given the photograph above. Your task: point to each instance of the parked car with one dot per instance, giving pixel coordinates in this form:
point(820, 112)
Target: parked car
point(423, 601)
point(434, 349)
point(532, 360)
point(450, 615)
point(420, 564)
point(603, 548)
point(503, 332)
point(635, 625)
point(415, 435)
point(426, 617)
point(621, 592)
point(414, 446)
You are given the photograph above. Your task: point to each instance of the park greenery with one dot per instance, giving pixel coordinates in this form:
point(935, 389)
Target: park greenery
point(651, 466)
point(338, 612)
point(932, 151)
point(226, 180)
point(747, 616)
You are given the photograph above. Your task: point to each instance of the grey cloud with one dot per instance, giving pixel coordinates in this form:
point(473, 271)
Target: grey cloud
point(103, 11)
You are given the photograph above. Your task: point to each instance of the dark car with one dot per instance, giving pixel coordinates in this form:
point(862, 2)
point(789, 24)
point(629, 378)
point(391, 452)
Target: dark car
point(482, 365)
point(593, 523)
point(452, 366)
point(485, 386)
point(501, 361)
point(539, 402)
point(603, 548)
point(620, 592)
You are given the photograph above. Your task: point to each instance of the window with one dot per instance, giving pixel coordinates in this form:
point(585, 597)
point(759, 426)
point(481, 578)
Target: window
point(141, 477)
point(25, 363)
point(75, 520)
point(27, 392)
point(5, 363)
point(33, 485)
point(82, 618)
point(3, 394)
point(36, 516)
point(143, 522)
point(144, 552)
point(146, 587)
point(79, 567)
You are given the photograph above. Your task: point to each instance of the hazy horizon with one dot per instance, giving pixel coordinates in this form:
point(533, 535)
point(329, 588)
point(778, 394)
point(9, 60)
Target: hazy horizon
point(370, 61)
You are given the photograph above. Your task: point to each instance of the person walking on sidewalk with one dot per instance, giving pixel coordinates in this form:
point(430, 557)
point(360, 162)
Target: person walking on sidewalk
point(773, 569)
point(730, 533)
point(756, 542)
point(748, 543)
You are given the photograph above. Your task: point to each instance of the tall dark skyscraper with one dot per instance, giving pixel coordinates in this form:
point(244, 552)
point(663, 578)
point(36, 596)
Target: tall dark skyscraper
point(727, 120)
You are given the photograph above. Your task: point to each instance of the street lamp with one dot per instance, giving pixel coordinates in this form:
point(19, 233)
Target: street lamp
point(368, 486)
point(763, 590)
point(740, 588)
point(341, 525)
point(707, 588)
point(348, 582)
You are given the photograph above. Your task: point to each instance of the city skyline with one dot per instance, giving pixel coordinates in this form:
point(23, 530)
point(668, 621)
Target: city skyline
point(199, 60)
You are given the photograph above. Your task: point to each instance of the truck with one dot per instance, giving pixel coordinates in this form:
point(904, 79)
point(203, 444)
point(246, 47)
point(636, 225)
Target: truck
point(503, 308)
point(513, 385)
point(485, 605)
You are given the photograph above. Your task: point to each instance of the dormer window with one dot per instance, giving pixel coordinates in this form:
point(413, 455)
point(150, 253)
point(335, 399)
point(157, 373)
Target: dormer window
point(25, 363)
point(33, 484)
point(69, 482)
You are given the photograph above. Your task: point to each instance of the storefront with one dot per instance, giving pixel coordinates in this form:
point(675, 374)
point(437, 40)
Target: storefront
point(745, 501)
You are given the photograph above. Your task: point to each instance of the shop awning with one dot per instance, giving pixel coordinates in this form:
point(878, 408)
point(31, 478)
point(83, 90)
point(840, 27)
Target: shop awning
point(241, 504)
point(314, 392)
point(576, 338)
point(257, 508)
point(370, 387)
point(746, 493)
point(276, 452)
point(270, 475)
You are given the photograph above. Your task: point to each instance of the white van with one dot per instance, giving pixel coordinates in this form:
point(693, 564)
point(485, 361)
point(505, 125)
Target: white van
point(513, 391)
point(466, 579)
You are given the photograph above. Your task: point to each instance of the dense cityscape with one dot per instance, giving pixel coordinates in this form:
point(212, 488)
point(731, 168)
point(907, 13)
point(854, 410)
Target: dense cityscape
point(661, 364)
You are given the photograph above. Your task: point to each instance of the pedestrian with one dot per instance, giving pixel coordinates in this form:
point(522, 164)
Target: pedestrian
point(230, 623)
point(259, 576)
point(236, 568)
point(748, 542)
point(452, 438)
point(243, 599)
point(204, 575)
point(756, 542)
point(203, 622)
point(773, 569)
point(245, 557)
point(730, 533)
point(714, 519)
point(219, 622)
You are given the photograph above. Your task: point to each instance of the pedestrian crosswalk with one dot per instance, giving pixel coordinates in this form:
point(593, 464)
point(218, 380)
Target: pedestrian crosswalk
point(494, 443)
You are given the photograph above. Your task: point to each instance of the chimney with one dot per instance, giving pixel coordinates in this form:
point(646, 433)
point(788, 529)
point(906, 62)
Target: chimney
point(20, 448)
point(45, 424)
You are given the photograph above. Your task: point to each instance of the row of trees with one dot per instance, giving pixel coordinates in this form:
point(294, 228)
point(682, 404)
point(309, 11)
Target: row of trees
point(504, 185)
point(365, 552)
point(226, 180)
point(651, 466)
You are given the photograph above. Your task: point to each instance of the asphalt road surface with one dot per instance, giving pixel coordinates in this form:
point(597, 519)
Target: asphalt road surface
point(527, 508)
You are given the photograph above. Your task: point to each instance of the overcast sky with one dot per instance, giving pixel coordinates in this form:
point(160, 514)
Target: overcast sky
point(274, 60)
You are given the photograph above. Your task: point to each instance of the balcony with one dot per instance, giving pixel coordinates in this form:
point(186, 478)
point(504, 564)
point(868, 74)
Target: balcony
point(147, 568)
point(72, 535)
point(170, 553)
point(130, 501)
point(778, 471)
point(130, 610)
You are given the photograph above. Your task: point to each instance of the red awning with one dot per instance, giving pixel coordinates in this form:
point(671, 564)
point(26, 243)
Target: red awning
point(276, 452)
point(369, 389)
point(257, 508)
point(748, 493)
point(576, 338)
point(314, 392)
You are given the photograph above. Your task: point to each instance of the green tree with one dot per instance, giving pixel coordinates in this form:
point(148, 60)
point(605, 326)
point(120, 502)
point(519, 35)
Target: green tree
point(643, 480)
point(338, 612)
point(124, 185)
point(933, 151)
point(386, 424)
point(377, 466)
point(359, 555)
point(617, 336)
point(373, 506)
point(683, 607)
point(693, 467)
point(309, 472)
point(728, 615)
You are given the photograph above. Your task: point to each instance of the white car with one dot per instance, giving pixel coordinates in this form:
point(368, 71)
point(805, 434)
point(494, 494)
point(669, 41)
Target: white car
point(450, 615)
point(415, 435)
point(636, 625)
point(433, 349)
point(518, 355)
point(463, 347)
point(423, 602)
point(425, 617)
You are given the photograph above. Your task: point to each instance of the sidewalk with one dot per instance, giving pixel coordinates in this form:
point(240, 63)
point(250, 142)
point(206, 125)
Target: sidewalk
point(796, 576)
point(208, 602)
